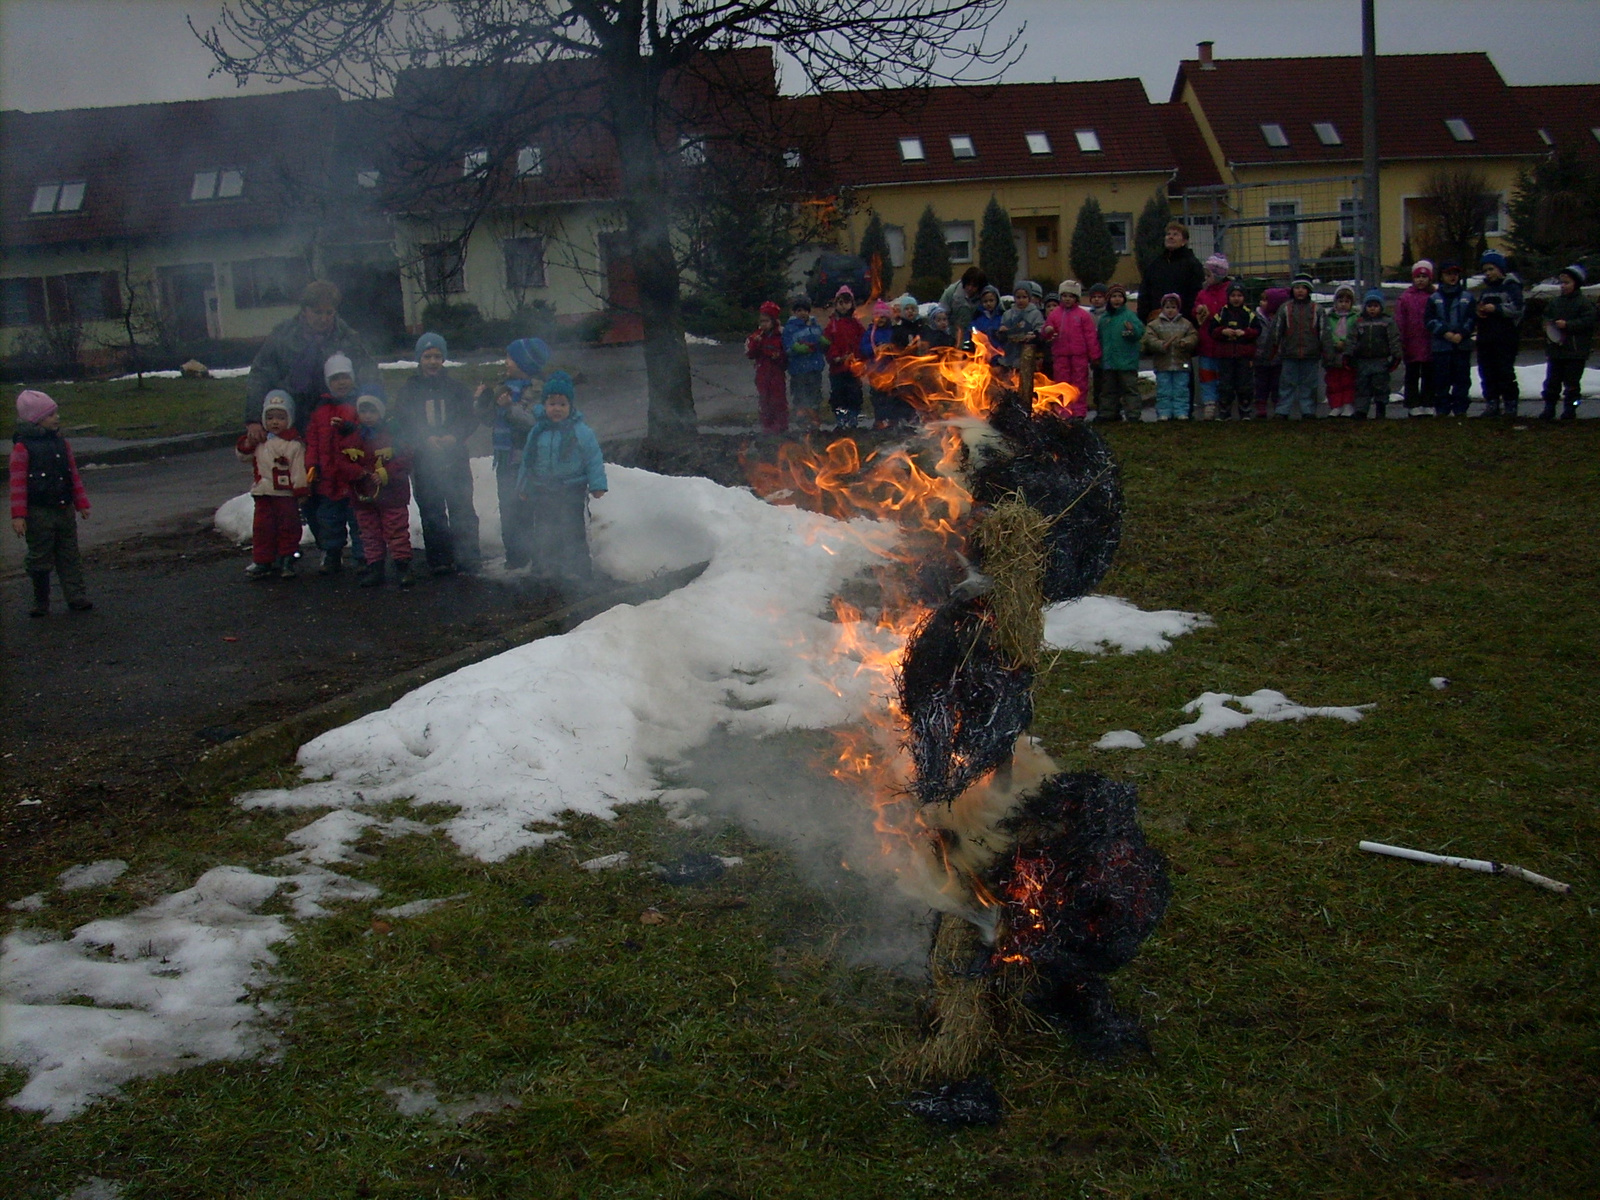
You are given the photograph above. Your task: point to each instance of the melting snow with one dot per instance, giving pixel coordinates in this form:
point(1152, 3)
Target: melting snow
point(423, 1101)
point(605, 862)
point(1097, 623)
point(95, 1188)
point(1439, 683)
point(32, 903)
point(1120, 739)
point(418, 908)
point(89, 875)
point(1217, 718)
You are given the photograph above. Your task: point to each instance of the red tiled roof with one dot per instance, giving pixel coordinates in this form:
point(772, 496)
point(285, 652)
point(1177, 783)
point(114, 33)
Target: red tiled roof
point(139, 163)
point(1196, 167)
point(1568, 112)
point(1416, 94)
point(862, 132)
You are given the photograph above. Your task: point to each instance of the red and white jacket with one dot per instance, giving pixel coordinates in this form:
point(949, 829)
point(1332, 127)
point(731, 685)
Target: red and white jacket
point(280, 465)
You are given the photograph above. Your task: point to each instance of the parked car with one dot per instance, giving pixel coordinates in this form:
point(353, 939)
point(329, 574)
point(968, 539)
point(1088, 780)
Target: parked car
point(834, 271)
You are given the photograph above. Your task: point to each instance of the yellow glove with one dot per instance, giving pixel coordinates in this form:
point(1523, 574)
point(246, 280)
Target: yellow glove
point(353, 454)
point(383, 454)
point(311, 476)
point(380, 475)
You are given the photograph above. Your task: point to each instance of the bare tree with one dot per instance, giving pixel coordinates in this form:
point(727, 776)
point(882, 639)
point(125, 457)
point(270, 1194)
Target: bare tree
point(634, 75)
point(1459, 204)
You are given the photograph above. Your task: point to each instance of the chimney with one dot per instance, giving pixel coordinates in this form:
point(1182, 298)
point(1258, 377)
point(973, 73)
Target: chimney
point(1205, 56)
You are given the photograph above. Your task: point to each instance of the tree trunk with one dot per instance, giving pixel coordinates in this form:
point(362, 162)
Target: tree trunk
point(649, 217)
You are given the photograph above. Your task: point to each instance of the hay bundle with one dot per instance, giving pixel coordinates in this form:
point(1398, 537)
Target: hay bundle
point(962, 1025)
point(1011, 539)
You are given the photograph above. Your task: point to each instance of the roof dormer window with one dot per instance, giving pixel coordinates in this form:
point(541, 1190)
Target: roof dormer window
point(911, 150)
point(1544, 136)
point(218, 183)
point(474, 162)
point(691, 150)
point(1088, 140)
point(1038, 143)
point(367, 179)
point(1595, 129)
point(530, 161)
point(792, 159)
point(57, 198)
point(961, 146)
point(230, 184)
point(1327, 133)
point(1459, 129)
point(1274, 134)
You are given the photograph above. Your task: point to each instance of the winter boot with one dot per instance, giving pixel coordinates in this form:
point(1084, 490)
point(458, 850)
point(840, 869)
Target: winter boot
point(41, 593)
point(371, 575)
point(256, 572)
point(1569, 410)
point(1208, 413)
point(1549, 413)
point(402, 571)
point(286, 567)
point(332, 562)
point(1380, 408)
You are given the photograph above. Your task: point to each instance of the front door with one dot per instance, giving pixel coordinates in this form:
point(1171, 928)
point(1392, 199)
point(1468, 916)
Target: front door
point(616, 265)
point(183, 300)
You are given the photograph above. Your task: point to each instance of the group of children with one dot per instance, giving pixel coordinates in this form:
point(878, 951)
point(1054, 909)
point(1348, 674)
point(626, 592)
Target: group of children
point(347, 469)
point(1243, 361)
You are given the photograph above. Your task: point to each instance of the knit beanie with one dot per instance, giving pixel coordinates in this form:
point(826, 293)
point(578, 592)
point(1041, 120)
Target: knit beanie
point(906, 298)
point(769, 308)
point(373, 402)
point(1115, 289)
point(1217, 264)
point(1446, 267)
point(1071, 287)
point(1273, 299)
point(1175, 298)
point(560, 384)
point(844, 290)
point(1579, 277)
point(938, 310)
point(1493, 258)
point(33, 406)
point(882, 308)
point(1344, 289)
point(280, 400)
point(1029, 286)
point(338, 364)
point(800, 300)
point(1237, 287)
point(1299, 279)
point(1097, 289)
point(1422, 267)
point(432, 341)
point(530, 355)
point(1049, 296)
point(1373, 297)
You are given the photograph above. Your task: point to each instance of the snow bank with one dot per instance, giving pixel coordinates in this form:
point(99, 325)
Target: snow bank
point(409, 364)
point(90, 875)
point(1530, 382)
point(1120, 739)
point(581, 722)
point(1097, 623)
point(1216, 718)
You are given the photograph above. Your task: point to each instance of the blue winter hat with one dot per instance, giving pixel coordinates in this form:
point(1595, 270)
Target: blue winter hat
point(530, 355)
point(1493, 258)
point(559, 384)
point(432, 341)
point(1579, 275)
point(1373, 296)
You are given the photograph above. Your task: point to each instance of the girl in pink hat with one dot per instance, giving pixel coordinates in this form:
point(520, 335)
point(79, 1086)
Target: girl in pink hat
point(1416, 343)
point(45, 491)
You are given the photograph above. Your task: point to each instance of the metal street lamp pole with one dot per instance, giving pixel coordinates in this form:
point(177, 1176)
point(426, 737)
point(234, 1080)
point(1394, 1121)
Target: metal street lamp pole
point(1373, 266)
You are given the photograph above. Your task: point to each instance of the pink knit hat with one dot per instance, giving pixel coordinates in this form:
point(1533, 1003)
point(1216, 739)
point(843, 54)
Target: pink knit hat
point(33, 406)
point(1218, 263)
point(1422, 267)
point(882, 308)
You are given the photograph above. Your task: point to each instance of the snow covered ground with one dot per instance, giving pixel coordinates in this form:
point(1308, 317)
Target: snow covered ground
point(1097, 623)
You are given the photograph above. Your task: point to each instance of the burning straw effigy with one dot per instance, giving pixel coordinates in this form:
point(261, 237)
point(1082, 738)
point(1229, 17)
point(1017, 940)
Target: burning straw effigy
point(1043, 880)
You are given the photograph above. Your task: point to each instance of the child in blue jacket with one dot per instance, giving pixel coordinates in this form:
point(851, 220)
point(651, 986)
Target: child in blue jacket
point(1451, 318)
point(804, 343)
point(561, 468)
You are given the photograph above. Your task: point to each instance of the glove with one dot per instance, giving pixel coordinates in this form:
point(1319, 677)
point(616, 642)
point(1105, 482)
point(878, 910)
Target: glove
point(381, 475)
point(383, 454)
point(353, 454)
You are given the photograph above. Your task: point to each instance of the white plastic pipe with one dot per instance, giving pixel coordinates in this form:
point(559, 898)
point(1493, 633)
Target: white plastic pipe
point(1485, 865)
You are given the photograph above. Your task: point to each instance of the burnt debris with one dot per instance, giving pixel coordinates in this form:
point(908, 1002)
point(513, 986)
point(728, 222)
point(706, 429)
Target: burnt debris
point(958, 1105)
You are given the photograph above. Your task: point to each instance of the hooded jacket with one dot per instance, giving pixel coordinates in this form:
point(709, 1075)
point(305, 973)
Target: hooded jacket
point(1242, 319)
point(279, 464)
point(1075, 333)
point(436, 406)
point(1119, 349)
point(377, 448)
point(1376, 339)
point(805, 344)
point(1339, 333)
point(1410, 314)
point(1170, 343)
point(330, 430)
point(1499, 328)
point(562, 455)
point(1451, 310)
point(842, 341)
point(1215, 298)
point(1297, 330)
point(1577, 310)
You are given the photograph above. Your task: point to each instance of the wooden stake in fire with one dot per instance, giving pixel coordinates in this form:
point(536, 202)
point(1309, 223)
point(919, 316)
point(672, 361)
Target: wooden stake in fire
point(1025, 367)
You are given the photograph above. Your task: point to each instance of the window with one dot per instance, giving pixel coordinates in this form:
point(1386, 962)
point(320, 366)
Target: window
point(1459, 129)
point(691, 150)
point(524, 258)
point(1347, 219)
point(367, 179)
point(21, 302)
point(204, 186)
point(1595, 129)
point(791, 159)
point(530, 161)
point(958, 237)
point(85, 296)
point(57, 197)
point(1327, 133)
point(443, 269)
point(1280, 233)
point(230, 184)
point(1038, 143)
point(911, 150)
point(266, 282)
point(1274, 134)
point(1495, 222)
point(1118, 224)
point(961, 146)
point(1544, 136)
point(895, 235)
point(1088, 140)
point(222, 183)
point(474, 162)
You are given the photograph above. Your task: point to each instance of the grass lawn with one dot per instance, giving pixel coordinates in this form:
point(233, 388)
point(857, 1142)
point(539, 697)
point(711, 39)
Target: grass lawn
point(1324, 1023)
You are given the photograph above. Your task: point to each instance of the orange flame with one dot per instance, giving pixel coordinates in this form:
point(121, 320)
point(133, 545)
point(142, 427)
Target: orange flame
point(948, 381)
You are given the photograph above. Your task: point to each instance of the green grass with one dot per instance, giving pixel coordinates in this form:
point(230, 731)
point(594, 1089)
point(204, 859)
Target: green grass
point(162, 408)
point(1324, 1023)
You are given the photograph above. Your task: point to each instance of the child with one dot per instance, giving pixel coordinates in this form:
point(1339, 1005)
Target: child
point(1338, 340)
point(382, 494)
point(939, 333)
point(1074, 346)
point(1210, 300)
point(1233, 332)
point(1021, 324)
point(843, 336)
point(1120, 334)
point(1450, 320)
point(510, 414)
point(986, 319)
point(1268, 370)
point(1046, 360)
point(1411, 315)
point(1171, 340)
point(1095, 297)
point(280, 485)
point(433, 418)
point(330, 429)
point(1375, 351)
point(561, 465)
point(908, 326)
point(1499, 319)
point(805, 344)
point(1297, 345)
point(909, 334)
point(45, 489)
point(765, 348)
point(873, 343)
point(1569, 320)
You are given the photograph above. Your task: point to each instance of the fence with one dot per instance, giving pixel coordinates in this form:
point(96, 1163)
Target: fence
point(1275, 230)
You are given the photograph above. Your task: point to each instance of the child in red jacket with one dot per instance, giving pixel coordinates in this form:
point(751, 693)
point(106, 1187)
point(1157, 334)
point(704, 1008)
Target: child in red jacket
point(329, 429)
point(765, 347)
point(280, 486)
point(843, 335)
point(381, 494)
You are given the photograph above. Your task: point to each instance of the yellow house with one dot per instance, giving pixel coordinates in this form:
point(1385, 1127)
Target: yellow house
point(1285, 137)
point(1041, 149)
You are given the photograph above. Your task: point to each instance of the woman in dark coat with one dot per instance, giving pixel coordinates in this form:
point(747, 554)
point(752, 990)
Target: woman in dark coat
point(1175, 270)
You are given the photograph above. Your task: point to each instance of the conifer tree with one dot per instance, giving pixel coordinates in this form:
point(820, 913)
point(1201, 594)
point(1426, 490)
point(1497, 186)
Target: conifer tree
point(875, 249)
point(997, 249)
point(1149, 234)
point(930, 257)
point(1092, 253)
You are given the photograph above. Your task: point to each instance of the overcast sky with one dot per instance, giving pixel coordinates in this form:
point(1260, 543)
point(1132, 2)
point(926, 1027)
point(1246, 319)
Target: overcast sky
point(83, 53)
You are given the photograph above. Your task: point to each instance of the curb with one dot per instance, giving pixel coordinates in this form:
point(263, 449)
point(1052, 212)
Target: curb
point(277, 743)
point(133, 452)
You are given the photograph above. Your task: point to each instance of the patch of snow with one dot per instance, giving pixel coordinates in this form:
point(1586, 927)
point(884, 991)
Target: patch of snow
point(423, 1101)
point(89, 875)
point(329, 839)
point(1530, 382)
point(581, 722)
point(1439, 683)
point(173, 993)
point(730, 860)
point(1120, 739)
point(696, 340)
point(32, 903)
point(409, 364)
point(1217, 718)
point(95, 1188)
point(417, 908)
point(317, 887)
point(1093, 624)
point(605, 862)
